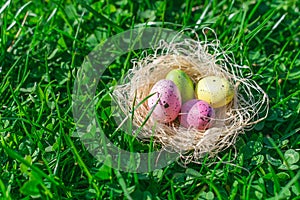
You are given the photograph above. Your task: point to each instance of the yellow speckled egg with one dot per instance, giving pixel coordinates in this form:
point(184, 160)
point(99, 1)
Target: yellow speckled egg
point(216, 91)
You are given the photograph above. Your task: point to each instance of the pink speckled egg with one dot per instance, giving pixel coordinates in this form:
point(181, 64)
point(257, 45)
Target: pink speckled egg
point(185, 108)
point(196, 113)
point(167, 100)
point(200, 115)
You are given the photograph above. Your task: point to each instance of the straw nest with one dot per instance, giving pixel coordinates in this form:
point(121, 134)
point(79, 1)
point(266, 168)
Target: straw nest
point(197, 59)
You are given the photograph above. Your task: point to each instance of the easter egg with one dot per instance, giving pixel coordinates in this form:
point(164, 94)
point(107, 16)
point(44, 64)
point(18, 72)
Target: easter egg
point(185, 108)
point(200, 115)
point(166, 99)
point(183, 83)
point(217, 91)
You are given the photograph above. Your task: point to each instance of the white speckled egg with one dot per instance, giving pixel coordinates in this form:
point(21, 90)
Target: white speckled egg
point(215, 90)
point(185, 108)
point(167, 100)
point(200, 115)
point(183, 82)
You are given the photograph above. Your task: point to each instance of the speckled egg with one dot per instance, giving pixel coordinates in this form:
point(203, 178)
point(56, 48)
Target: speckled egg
point(166, 99)
point(217, 91)
point(185, 108)
point(200, 115)
point(183, 82)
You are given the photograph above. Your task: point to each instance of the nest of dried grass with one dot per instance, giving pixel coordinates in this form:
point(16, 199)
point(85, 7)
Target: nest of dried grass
point(198, 59)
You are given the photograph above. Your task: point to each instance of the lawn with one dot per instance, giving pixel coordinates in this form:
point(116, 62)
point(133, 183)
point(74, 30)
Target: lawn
point(43, 45)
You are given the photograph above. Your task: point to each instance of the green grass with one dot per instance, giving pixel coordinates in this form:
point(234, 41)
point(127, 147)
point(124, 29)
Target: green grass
point(43, 44)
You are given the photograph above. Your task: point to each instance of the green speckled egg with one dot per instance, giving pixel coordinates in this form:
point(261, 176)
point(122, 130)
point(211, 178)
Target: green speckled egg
point(183, 83)
point(216, 91)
